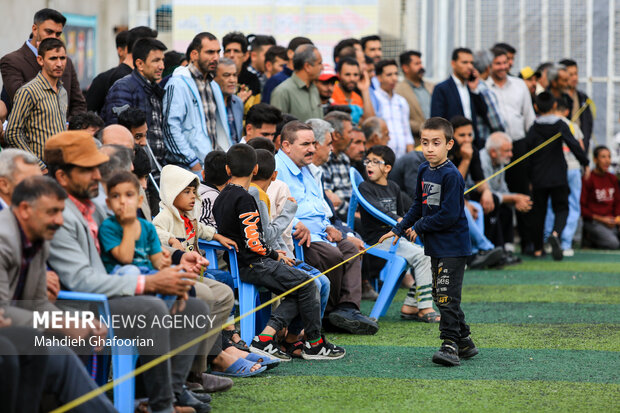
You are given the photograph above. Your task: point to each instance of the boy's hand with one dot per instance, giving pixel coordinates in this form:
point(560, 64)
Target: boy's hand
point(333, 235)
point(302, 233)
point(472, 210)
point(226, 242)
point(282, 257)
point(166, 260)
point(175, 243)
point(389, 235)
point(412, 235)
point(290, 198)
point(523, 203)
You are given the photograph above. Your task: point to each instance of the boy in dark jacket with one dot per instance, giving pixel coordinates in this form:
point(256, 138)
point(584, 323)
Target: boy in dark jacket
point(438, 216)
point(547, 168)
point(237, 216)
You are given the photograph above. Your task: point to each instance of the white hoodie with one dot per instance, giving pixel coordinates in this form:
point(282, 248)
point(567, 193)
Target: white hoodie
point(168, 222)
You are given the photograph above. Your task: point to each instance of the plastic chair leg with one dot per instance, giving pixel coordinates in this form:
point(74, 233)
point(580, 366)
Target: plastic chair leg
point(247, 300)
point(393, 272)
point(124, 393)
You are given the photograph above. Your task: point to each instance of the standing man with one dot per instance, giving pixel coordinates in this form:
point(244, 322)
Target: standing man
point(236, 48)
point(393, 108)
point(195, 116)
point(515, 107)
point(371, 45)
point(298, 95)
point(287, 69)
point(455, 96)
point(415, 90)
point(40, 106)
point(585, 121)
point(226, 78)
point(258, 47)
point(323, 244)
point(275, 58)
point(510, 53)
point(349, 79)
point(494, 121)
point(21, 66)
point(139, 89)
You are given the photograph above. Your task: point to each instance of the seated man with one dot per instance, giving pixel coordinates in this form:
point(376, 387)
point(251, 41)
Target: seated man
point(498, 224)
point(600, 203)
point(323, 244)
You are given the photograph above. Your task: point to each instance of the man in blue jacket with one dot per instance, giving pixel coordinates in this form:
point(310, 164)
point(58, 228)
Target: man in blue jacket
point(194, 110)
point(140, 90)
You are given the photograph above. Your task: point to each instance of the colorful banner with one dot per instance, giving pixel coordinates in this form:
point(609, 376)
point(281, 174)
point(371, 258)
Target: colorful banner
point(80, 37)
point(325, 22)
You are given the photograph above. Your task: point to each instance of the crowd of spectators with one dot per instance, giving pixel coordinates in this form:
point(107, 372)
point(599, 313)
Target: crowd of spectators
point(250, 143)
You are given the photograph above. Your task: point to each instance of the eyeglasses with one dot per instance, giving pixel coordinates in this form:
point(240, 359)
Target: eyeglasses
point(375, 162)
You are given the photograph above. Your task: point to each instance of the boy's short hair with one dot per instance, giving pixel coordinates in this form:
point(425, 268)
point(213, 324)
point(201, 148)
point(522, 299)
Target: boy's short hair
point(132, 118)
point(241, 159)
point(122, 177)
point(459, 122)
point(544, 102)
point(384, 152)
point(600, 148)
point(141, 162)
point(266, 164)
point(437, 123)
point(84, 120)
point(563, 103)
point(262, 113)
point(215, 168)
point(261, 142)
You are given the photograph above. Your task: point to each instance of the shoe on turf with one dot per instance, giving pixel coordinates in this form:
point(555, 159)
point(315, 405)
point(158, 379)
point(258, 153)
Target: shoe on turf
point(467, 348)
point(568, 252)
point(268, 348)
point(353, 321)
point(487, 258)
point(323, 351)
point(556, 248)
point(447, 355)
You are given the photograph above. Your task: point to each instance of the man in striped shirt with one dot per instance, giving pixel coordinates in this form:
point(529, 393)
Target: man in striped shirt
point(40, 106)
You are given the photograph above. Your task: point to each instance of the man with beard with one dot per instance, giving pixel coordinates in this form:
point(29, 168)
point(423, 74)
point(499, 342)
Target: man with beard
point(194, 110)
point(349, 76)
point(415, 90)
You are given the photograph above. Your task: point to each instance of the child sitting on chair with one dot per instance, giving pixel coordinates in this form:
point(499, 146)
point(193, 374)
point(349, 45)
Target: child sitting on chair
point(125, 238)
point(386, 197)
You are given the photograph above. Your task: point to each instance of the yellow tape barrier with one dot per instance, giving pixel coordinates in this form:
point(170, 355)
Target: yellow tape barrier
point(147, 366)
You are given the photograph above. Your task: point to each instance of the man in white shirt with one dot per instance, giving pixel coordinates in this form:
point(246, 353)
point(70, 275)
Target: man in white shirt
point(393, 108)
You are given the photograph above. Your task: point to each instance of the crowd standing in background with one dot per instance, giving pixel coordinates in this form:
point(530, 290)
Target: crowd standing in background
point(250, 143)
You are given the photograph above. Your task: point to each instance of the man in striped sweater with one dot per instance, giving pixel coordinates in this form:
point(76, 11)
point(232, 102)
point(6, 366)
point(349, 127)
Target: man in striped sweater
point(40, 106)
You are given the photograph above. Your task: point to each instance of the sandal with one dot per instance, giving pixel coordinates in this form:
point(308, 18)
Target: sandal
point(290, 348)
point(263, 360)
point(240, 368)
point(241, 345)
point(432, 317)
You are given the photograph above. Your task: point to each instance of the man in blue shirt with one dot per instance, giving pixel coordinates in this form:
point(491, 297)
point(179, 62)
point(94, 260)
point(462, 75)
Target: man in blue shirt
point(323, 244)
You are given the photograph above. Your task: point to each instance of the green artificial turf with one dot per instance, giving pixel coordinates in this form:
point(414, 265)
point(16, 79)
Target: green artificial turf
point(509, 276)
point(541, 293)
point(350, 394)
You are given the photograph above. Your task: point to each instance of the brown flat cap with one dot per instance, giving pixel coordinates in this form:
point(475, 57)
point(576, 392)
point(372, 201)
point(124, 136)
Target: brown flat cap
point(78, 148)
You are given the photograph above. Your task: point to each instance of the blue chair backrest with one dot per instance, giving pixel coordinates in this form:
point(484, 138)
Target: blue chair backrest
point(356, 197)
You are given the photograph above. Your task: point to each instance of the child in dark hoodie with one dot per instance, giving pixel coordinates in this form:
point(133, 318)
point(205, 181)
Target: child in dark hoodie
point(547, 169)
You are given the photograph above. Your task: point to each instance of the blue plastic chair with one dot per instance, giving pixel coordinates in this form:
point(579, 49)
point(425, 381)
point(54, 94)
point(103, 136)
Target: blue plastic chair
point(249, 294)
point(395, 266)
point(122, 363)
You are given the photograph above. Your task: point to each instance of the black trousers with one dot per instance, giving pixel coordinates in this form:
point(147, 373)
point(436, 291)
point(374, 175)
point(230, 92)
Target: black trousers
point(559, 205)
point(447, 285)
point(299, 310)
point(498, 224)
point(518, 182)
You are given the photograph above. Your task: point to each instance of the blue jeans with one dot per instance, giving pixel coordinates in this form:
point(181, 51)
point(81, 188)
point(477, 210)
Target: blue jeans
point(322, 283)
point(574, 210)
point(225, 278)
point(476, 230)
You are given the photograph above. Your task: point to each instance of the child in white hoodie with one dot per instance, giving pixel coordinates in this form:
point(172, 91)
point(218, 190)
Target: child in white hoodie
point(177, 223)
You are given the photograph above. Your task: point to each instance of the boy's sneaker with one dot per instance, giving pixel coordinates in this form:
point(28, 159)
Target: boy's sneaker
point(568, 252)
point(556, 248)
point(323, 351)
point(447, 354)
point(268, 348)
point(467, 348)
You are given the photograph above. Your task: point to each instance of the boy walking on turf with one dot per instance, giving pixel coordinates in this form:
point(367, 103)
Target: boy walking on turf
point(437, 215)
point(238, 218)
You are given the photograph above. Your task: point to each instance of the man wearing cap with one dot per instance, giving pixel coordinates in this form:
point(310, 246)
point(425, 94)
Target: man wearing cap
point(298, 95)
point(530, 78)
point(73, 160)
point(326, 83)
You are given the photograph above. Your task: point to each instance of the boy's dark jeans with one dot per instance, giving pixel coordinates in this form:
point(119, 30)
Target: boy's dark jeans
point(559, 205)
point(299, 310)
point(447, 285)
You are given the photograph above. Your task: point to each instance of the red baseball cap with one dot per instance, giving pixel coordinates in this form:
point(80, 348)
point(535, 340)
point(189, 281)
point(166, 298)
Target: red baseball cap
point(327, 73)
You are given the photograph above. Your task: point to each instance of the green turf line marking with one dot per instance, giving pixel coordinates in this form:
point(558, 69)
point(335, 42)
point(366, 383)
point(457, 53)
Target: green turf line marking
point(511, 277)
point(605, 337)
point(491, 364)
point(268, 394)
point(523, 313)
point(541, 293)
